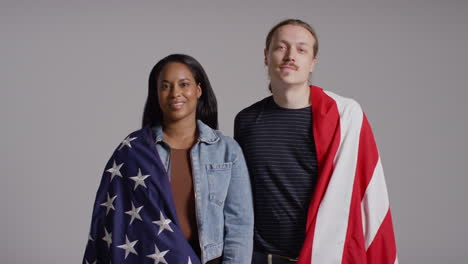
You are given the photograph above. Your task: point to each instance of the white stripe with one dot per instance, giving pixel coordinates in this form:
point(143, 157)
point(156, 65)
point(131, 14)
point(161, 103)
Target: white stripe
point(374, 204)
point(396, 260)
point(332, 217)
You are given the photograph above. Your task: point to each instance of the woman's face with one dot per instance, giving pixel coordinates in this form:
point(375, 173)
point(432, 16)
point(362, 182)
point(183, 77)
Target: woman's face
point(178, 93)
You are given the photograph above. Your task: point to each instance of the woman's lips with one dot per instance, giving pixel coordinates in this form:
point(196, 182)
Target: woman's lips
point(176, 105)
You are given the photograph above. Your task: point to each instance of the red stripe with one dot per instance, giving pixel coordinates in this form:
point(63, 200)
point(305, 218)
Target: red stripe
point(354, 250)
point(382, 250)
point(326, 129)
point(355, 246)
point(367, 158)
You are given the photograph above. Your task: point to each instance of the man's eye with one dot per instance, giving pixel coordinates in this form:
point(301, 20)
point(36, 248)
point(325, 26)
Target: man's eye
point(184, 84)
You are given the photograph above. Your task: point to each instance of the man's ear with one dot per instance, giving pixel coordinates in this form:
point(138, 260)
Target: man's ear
point(265, 54)
point(314, 62)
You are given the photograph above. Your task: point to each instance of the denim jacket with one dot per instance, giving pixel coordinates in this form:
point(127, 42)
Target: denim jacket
point(223, 196)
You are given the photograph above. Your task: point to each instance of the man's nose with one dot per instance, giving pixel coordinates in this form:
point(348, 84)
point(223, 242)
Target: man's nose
point(290, 55)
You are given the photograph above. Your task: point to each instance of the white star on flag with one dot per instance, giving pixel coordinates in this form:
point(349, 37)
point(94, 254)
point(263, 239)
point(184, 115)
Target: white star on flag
point(158, 256)
point(109, 203)
point(135, 213)
point(139, 179)
point(107, 238)
point(189, 261)
point(126, 142)
point(128, 246)
point(115, 170)
point(163, 223)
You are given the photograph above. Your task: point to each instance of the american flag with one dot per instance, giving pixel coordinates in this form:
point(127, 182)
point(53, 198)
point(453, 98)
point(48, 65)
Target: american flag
point(134, 218)
point(349, 219)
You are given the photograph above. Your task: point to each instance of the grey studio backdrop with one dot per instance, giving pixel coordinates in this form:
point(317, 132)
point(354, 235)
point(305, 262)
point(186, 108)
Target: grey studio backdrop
point(74, 80)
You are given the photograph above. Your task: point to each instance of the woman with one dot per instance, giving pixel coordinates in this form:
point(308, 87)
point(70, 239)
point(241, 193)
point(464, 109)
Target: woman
point(177, 190)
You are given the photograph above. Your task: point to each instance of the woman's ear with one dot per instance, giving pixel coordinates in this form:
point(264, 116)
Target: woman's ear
point(199, 90)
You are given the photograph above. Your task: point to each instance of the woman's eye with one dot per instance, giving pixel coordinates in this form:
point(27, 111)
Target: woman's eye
point(184, 84)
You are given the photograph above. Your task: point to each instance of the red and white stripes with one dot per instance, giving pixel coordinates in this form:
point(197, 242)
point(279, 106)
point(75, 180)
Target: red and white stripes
point(349, 219)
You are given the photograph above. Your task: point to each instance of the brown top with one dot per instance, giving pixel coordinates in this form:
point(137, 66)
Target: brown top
point(184, 198)
point(182, 190)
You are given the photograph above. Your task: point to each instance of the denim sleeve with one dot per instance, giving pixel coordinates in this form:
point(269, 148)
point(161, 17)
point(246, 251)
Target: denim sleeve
point(238, 214)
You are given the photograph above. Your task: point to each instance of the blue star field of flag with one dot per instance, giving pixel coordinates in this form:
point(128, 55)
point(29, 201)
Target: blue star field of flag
point(134, 218)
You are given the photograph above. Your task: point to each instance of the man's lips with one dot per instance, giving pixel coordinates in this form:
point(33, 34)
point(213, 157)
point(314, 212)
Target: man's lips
point(288, 68)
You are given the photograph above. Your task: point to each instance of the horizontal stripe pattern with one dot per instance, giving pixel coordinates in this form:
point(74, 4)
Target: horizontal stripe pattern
point(280, 152)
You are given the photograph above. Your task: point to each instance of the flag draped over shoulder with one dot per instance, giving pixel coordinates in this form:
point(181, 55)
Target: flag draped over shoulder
point(349, 219)
point(134, 218)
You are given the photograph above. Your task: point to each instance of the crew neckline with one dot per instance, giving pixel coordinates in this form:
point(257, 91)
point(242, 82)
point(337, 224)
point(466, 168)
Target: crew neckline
point(274, 104)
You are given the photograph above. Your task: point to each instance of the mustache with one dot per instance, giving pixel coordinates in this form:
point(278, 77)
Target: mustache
point(289, 65)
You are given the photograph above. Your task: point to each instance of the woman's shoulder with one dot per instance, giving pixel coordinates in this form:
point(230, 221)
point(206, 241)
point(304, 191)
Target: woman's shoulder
point(136, 139)
point(230, 146)
point(219, 144)
point(226, 139)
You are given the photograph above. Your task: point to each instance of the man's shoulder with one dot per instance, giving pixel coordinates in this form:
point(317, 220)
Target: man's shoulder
point(344, 104)
point(253, 109)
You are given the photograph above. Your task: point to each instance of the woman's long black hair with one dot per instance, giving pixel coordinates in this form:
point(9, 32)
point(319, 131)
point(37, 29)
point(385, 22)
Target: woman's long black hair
point(207, 110)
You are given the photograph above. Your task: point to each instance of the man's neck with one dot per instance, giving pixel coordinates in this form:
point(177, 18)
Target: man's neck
point(291, 97)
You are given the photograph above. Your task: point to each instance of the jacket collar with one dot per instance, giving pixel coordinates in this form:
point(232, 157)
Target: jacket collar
point(205, 133)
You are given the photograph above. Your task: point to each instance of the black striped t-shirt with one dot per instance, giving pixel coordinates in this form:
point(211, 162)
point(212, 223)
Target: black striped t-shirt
point(279, 149)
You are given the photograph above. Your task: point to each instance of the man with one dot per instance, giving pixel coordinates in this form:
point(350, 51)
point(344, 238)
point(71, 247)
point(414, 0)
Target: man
point(319, 191)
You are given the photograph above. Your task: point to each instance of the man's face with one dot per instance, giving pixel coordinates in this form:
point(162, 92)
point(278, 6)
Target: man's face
point(290, 57)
